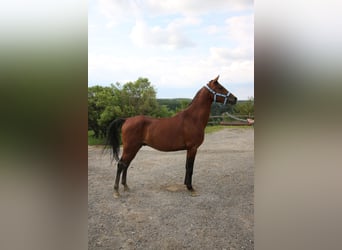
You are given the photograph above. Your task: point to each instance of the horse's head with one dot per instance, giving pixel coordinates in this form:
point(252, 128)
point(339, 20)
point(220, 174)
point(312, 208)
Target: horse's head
point(220, 94)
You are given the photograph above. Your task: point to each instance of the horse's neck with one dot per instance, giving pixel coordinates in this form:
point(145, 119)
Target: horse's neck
point(199, 109)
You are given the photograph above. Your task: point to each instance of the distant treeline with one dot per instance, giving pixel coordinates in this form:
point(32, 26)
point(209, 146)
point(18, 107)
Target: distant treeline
point(177, 104)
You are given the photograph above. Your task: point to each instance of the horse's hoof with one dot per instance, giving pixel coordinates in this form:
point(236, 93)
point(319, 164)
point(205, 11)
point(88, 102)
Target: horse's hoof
point(116, 194)
point(193, 193)
point(126, 188)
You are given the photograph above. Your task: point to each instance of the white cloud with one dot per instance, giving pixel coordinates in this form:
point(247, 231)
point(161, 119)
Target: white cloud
point(236, 60)
point(241, 29)
point(212, 29)
point(234, 64)
point(169, 37)
point(195, 7)
point(117, 11)
point(220, 45)
point(225, 55)
point(178, 71)
point(240, 71)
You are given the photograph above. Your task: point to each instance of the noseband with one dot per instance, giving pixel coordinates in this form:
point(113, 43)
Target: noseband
point(218, 94)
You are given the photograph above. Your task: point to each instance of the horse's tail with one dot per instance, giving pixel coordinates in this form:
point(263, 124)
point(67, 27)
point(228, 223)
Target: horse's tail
point(113, 137)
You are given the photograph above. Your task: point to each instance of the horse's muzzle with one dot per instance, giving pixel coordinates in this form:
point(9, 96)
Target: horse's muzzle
point(233, 101)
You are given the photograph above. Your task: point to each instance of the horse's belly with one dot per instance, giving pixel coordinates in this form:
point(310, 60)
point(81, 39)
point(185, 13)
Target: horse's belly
point(167, 147)
point(165, 139)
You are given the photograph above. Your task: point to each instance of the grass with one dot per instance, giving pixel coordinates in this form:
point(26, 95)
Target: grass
point(212, 129)
point(94, 141)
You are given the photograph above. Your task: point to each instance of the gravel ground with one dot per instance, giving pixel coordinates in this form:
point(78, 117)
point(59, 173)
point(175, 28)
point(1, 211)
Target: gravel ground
point(158, 211)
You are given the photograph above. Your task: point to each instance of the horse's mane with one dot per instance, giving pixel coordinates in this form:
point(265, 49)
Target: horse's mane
point(194, 98)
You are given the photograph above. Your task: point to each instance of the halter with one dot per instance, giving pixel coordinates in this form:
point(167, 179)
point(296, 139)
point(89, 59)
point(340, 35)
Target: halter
point(218, 94)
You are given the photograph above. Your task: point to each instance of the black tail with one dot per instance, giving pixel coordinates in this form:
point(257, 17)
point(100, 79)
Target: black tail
point(113, 137)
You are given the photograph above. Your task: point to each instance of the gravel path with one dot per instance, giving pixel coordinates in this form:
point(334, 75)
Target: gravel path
point(158, 211)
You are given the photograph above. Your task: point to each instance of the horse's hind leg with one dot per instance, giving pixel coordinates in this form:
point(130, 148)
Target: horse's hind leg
point(124, 179)
point(121, 166)
point(126, 158)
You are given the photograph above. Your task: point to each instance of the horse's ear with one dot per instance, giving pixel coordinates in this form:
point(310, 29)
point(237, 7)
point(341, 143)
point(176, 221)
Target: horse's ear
point(216, 79)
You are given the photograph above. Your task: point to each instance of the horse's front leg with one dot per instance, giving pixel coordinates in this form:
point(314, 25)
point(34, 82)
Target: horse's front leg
point(190, 159)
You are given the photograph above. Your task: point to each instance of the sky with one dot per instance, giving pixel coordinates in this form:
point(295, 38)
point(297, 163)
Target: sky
point(178, 45)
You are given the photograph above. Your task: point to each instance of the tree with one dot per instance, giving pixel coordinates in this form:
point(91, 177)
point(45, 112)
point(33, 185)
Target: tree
point(163, 111)
point(133, 98)
point(112, 101)
point(139, 98)
point(182, 104)
point(97, 97)
point(245, 107)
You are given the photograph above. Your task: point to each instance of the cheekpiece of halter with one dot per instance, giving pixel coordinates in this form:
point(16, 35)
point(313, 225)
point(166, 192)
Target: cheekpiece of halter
point(218, 94)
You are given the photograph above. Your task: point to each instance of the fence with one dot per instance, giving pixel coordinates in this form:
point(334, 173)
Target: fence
point(230, 120)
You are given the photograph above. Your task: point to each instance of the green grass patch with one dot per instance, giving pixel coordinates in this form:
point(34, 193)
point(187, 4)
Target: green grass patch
point(94, 141)
point(242, 126)
point(212, 129)
point(216, 128)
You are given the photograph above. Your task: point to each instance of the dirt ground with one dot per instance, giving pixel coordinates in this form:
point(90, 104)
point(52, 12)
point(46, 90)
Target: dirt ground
point(158, 211)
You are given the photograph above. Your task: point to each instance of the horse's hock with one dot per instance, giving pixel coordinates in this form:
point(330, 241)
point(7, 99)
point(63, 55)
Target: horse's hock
point(159, 213)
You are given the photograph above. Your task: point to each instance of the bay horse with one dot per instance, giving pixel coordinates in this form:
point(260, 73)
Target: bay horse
point(183, 131)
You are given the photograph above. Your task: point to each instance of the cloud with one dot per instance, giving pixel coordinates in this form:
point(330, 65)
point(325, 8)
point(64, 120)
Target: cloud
point(228, 55)
point(236, 59)
point(178, 71)
point(194, 7)
point(239, 55)
point(171, 36)
point(241, 29)
point(234, 62)
point(163, 29)
point(117, 11)
point(212, 29)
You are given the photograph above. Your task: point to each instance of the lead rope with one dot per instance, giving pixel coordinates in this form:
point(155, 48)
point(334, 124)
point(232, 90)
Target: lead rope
point(239, 119)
